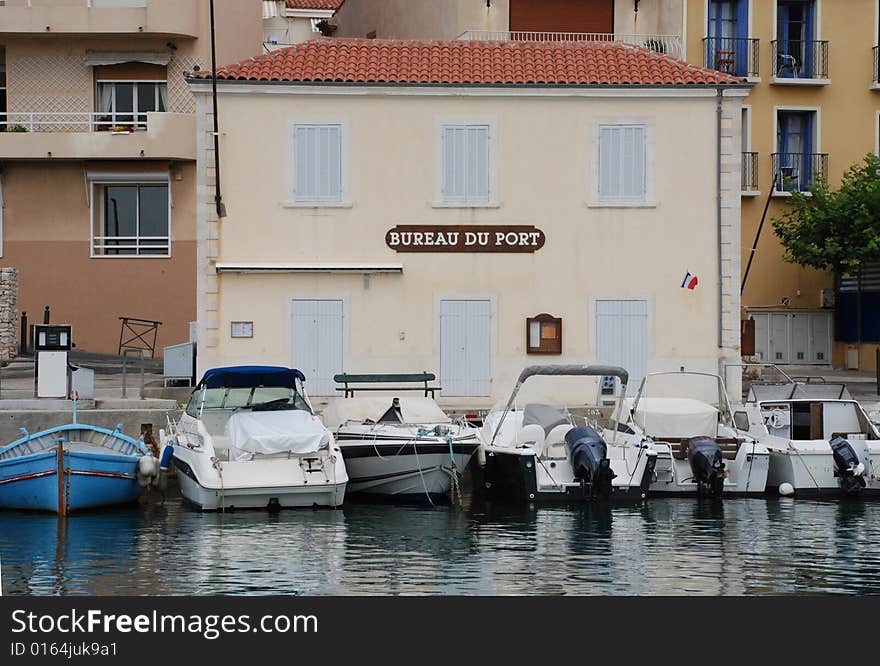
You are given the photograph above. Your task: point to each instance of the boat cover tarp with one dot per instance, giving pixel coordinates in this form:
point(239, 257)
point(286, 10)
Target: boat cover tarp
point(676, 417)
point(293, 431)
point(250, 376)
point(415, 410)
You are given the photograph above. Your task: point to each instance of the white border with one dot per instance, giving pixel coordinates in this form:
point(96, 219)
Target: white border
point(446, 121)
point(290, 200)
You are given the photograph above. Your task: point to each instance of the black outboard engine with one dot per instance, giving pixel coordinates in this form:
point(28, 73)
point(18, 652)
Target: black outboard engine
point(707, 464)
point(588, 454)
point(850, 469)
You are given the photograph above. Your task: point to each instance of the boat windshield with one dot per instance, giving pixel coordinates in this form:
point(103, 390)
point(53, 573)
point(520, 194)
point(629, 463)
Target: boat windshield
point(256, 398)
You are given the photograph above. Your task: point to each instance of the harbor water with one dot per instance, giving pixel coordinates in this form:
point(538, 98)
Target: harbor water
point(663, 547)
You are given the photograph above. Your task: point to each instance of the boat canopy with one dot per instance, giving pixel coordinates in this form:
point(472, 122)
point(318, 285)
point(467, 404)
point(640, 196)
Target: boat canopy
point(251, 376)
point(574, 371)
point(675, 417)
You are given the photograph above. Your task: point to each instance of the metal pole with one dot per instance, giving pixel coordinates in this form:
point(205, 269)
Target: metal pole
point(22, 347)
point(141, 354)
point(124, 368)
point(742, 287)
point(719, 114)
point(218, 197)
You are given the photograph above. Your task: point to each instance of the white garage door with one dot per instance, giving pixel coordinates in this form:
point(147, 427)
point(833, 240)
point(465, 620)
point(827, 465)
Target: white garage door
point(622, 338)
point(317, 343)
point(466, 348)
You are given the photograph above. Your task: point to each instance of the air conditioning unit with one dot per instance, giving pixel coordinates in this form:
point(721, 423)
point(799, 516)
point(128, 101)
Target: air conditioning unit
point(827, 298)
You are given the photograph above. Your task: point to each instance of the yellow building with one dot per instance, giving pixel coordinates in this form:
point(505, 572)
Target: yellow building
point(813, 111)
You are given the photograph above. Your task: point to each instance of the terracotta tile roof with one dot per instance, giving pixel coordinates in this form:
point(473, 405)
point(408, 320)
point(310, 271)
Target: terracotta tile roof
point(332, 5)
point(467, 62)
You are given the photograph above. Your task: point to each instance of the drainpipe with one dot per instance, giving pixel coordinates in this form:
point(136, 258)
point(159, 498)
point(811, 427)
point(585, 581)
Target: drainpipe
point(218, 197)
point(719, 99)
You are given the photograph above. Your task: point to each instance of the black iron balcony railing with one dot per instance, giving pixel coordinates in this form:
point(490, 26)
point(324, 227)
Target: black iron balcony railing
point(799, 59)
point(732, 55)
point(795, 172)
point(877, 65)
point(750, 172)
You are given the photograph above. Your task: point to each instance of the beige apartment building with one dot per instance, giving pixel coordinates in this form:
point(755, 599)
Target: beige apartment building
point(469, 208)
point(97, 156)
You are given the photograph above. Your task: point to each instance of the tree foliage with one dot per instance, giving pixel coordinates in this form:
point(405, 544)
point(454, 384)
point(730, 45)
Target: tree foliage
point(835, 230)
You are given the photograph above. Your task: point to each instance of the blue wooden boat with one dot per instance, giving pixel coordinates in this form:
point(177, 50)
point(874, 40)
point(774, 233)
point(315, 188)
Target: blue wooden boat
point(98, 467)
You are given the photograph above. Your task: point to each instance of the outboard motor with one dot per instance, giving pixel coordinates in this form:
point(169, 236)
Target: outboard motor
point(850, 469)
point(707, 465)
point(588, 454)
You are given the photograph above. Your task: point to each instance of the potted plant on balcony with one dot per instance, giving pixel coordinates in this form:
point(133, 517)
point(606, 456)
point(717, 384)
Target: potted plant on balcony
point(18, 128)
point(121, 129)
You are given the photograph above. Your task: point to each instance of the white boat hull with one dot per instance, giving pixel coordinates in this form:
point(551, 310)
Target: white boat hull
point(264, 484)
point(405, 477)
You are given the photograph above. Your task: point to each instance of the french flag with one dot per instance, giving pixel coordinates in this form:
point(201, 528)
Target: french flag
point(690, 281)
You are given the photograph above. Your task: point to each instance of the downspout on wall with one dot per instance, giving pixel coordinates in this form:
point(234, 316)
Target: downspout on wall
point(718, 109)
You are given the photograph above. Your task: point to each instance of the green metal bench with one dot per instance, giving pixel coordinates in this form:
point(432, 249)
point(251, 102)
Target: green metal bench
point(418, 378)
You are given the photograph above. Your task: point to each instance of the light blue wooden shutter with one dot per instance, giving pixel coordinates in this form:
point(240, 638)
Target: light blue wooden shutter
point(622, 157)
point(466, 348)
point(317, 343)
point(622, 338)
point(466, 163)
point(318, 162)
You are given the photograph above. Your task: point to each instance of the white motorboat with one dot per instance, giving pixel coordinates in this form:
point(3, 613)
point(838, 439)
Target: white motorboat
point(700, 450)
point(535, 452)
point(820, 440)
point(249, 439)
point(404, 449)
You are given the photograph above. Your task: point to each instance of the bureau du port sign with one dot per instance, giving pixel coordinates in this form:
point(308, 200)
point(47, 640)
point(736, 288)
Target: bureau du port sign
point(487, 238)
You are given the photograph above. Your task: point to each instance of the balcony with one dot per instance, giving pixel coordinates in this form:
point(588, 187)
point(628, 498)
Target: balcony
point(97, 136)
point(736, 56)
point(90, 17)
point(800, 62)
point(669, 44)
point(795, 172)
point(749, 174)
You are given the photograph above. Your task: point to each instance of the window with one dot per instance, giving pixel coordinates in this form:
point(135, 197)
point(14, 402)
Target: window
point(728, 47)
point(126, 103)
point(544, 335)
point(796, 165)
point(797, 54)
point(622, 162)
point(318, 163)
point(131, 219)
point(466, 164)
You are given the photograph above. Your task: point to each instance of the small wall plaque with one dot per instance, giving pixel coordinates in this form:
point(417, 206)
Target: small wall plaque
point(544, 335)
point(242, 329)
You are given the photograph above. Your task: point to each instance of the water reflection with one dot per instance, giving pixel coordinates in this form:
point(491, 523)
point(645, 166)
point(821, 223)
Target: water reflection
point(666, 546)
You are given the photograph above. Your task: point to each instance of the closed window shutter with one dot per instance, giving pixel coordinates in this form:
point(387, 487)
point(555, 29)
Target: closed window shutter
point(622, 163)
point(318, 162)
point(466, 163)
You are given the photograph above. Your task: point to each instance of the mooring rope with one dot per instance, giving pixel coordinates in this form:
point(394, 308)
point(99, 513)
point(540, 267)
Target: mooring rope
point(219, 467)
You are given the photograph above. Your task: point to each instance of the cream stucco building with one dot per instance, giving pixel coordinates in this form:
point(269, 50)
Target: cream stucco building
point(352, 241)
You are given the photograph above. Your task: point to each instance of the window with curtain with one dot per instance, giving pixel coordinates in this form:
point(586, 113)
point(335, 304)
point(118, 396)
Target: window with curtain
point(622, 160)
point(131, 219)
point(466, 157)
point(318, 163)
point(126, 103)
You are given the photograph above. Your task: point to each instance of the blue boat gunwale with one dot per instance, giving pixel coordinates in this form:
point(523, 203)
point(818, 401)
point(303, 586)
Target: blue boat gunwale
point(140, 446)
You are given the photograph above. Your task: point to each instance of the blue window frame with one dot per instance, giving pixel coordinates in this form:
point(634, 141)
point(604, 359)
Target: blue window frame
point(728, 32)
point(795, 34)
point(794, 136)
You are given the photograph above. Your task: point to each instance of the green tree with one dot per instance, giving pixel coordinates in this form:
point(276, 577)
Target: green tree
point(837, 230)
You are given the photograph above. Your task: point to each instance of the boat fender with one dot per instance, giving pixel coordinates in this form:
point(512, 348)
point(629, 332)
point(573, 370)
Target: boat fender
point(786, 489)
point(167, 455)
point(147, 470)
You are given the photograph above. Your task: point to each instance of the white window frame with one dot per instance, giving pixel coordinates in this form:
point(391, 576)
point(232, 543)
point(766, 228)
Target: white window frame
point(132, 116)
point(440, 125)
point(103, 179)
point(291, 199)
point(649, 199)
